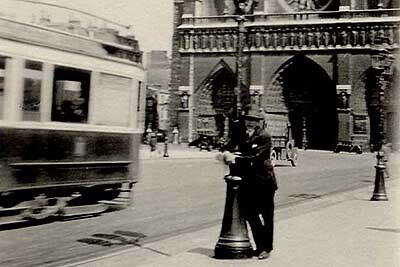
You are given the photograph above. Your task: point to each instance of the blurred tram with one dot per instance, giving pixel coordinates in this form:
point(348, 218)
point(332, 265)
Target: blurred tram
point(71, 112)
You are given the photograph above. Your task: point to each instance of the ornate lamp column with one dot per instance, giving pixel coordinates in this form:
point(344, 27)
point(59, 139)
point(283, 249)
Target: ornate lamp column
point(243, 7)
point(234, 242)
point(382, 65)
point(239, 62)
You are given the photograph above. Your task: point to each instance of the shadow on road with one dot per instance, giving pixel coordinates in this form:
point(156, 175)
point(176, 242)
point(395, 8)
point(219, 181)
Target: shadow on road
point(203, 251)
point(118, 238)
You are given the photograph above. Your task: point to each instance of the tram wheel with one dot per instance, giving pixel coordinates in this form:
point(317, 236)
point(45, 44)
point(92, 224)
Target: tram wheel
point(42, 208)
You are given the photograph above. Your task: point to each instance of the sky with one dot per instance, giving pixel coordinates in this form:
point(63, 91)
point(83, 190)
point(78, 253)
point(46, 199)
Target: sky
point(151, 20)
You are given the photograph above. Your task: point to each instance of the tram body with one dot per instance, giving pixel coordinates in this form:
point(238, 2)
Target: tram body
point(71, 117)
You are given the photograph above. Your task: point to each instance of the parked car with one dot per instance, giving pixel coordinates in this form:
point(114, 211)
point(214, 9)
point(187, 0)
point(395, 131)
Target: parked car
point(161, 135)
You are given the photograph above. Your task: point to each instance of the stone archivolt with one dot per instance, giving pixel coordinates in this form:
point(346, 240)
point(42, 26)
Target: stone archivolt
point(291, 37)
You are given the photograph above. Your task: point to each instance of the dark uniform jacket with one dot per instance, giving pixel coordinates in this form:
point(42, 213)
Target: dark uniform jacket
point(256, 155)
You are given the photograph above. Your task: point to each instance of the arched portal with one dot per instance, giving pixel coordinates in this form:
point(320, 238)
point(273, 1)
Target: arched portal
point(305, 92)
point(216, 102)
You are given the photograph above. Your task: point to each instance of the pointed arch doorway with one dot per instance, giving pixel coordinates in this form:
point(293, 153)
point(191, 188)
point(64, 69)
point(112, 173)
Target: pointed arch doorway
point(308, 96)
point(216, 102)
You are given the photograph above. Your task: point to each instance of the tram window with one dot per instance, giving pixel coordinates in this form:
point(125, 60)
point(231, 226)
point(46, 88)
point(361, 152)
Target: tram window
point(31, 100)
point(31, 91)
point(113, 99)
point(70, 95)
point(33, 65)
point(1, 96)
point(139, 95)
point(2, 67)
point(2, 63)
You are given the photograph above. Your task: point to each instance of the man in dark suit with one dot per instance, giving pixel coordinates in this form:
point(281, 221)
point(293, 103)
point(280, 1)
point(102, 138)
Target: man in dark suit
point(259, 184)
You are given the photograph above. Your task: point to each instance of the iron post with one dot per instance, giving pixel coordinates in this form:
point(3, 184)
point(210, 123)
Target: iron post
point(233, 242)
point(166, 147)
point(304, 140)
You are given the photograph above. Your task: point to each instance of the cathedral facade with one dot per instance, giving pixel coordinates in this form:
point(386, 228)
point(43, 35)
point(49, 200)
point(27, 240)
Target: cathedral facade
point(307, 59)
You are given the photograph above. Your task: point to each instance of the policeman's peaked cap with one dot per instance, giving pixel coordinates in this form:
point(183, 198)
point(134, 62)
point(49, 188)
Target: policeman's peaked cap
point(255, 118)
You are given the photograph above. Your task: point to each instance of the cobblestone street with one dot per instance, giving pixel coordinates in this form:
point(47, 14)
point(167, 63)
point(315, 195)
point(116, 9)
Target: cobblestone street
point(176, 196)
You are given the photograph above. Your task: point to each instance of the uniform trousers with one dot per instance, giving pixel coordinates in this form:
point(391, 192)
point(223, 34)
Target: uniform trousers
point(259, 211)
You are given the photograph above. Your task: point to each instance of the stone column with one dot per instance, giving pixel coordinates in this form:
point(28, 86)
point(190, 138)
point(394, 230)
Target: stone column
point(176, 65)
point(343, 78)
point(189, 6)
point(184, 113)
point(190, 93)
point(343, 93)
point(198, 8)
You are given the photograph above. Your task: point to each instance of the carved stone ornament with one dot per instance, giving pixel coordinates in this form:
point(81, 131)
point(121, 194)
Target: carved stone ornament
point(244, 7)
point(308, 5)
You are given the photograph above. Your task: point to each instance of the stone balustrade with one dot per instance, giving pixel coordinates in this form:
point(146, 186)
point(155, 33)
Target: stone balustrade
point(291, 31)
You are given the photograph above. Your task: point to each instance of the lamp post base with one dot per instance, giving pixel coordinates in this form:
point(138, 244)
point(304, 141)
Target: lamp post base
point(379, 190)
point(231, 249)
point(166, 155)
point(233, 242)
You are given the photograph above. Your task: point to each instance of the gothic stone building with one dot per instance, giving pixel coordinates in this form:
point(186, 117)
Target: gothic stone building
point(309, 60)
point(158, 74)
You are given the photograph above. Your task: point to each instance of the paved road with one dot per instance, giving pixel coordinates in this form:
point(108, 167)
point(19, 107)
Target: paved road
point(172, 197)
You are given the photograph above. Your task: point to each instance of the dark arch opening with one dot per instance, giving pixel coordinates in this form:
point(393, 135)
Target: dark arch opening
point(310, 97)
point(223, 99)
point(216, 101)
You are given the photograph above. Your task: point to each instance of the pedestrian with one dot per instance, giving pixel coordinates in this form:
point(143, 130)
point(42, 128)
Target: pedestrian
point(153, 145)
point(259, 184)
point(148, 135)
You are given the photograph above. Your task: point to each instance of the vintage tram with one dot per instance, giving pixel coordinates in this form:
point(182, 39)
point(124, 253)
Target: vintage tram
point(71, 116)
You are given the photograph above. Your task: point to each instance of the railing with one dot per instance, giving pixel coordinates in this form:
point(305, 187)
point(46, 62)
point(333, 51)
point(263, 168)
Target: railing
point(294, 16)
point(291, 31)
point(348, 14)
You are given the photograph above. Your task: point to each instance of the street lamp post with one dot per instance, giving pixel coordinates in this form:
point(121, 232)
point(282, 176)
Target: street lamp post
point(239, 63)
point(382, 62)
point(234, 242)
